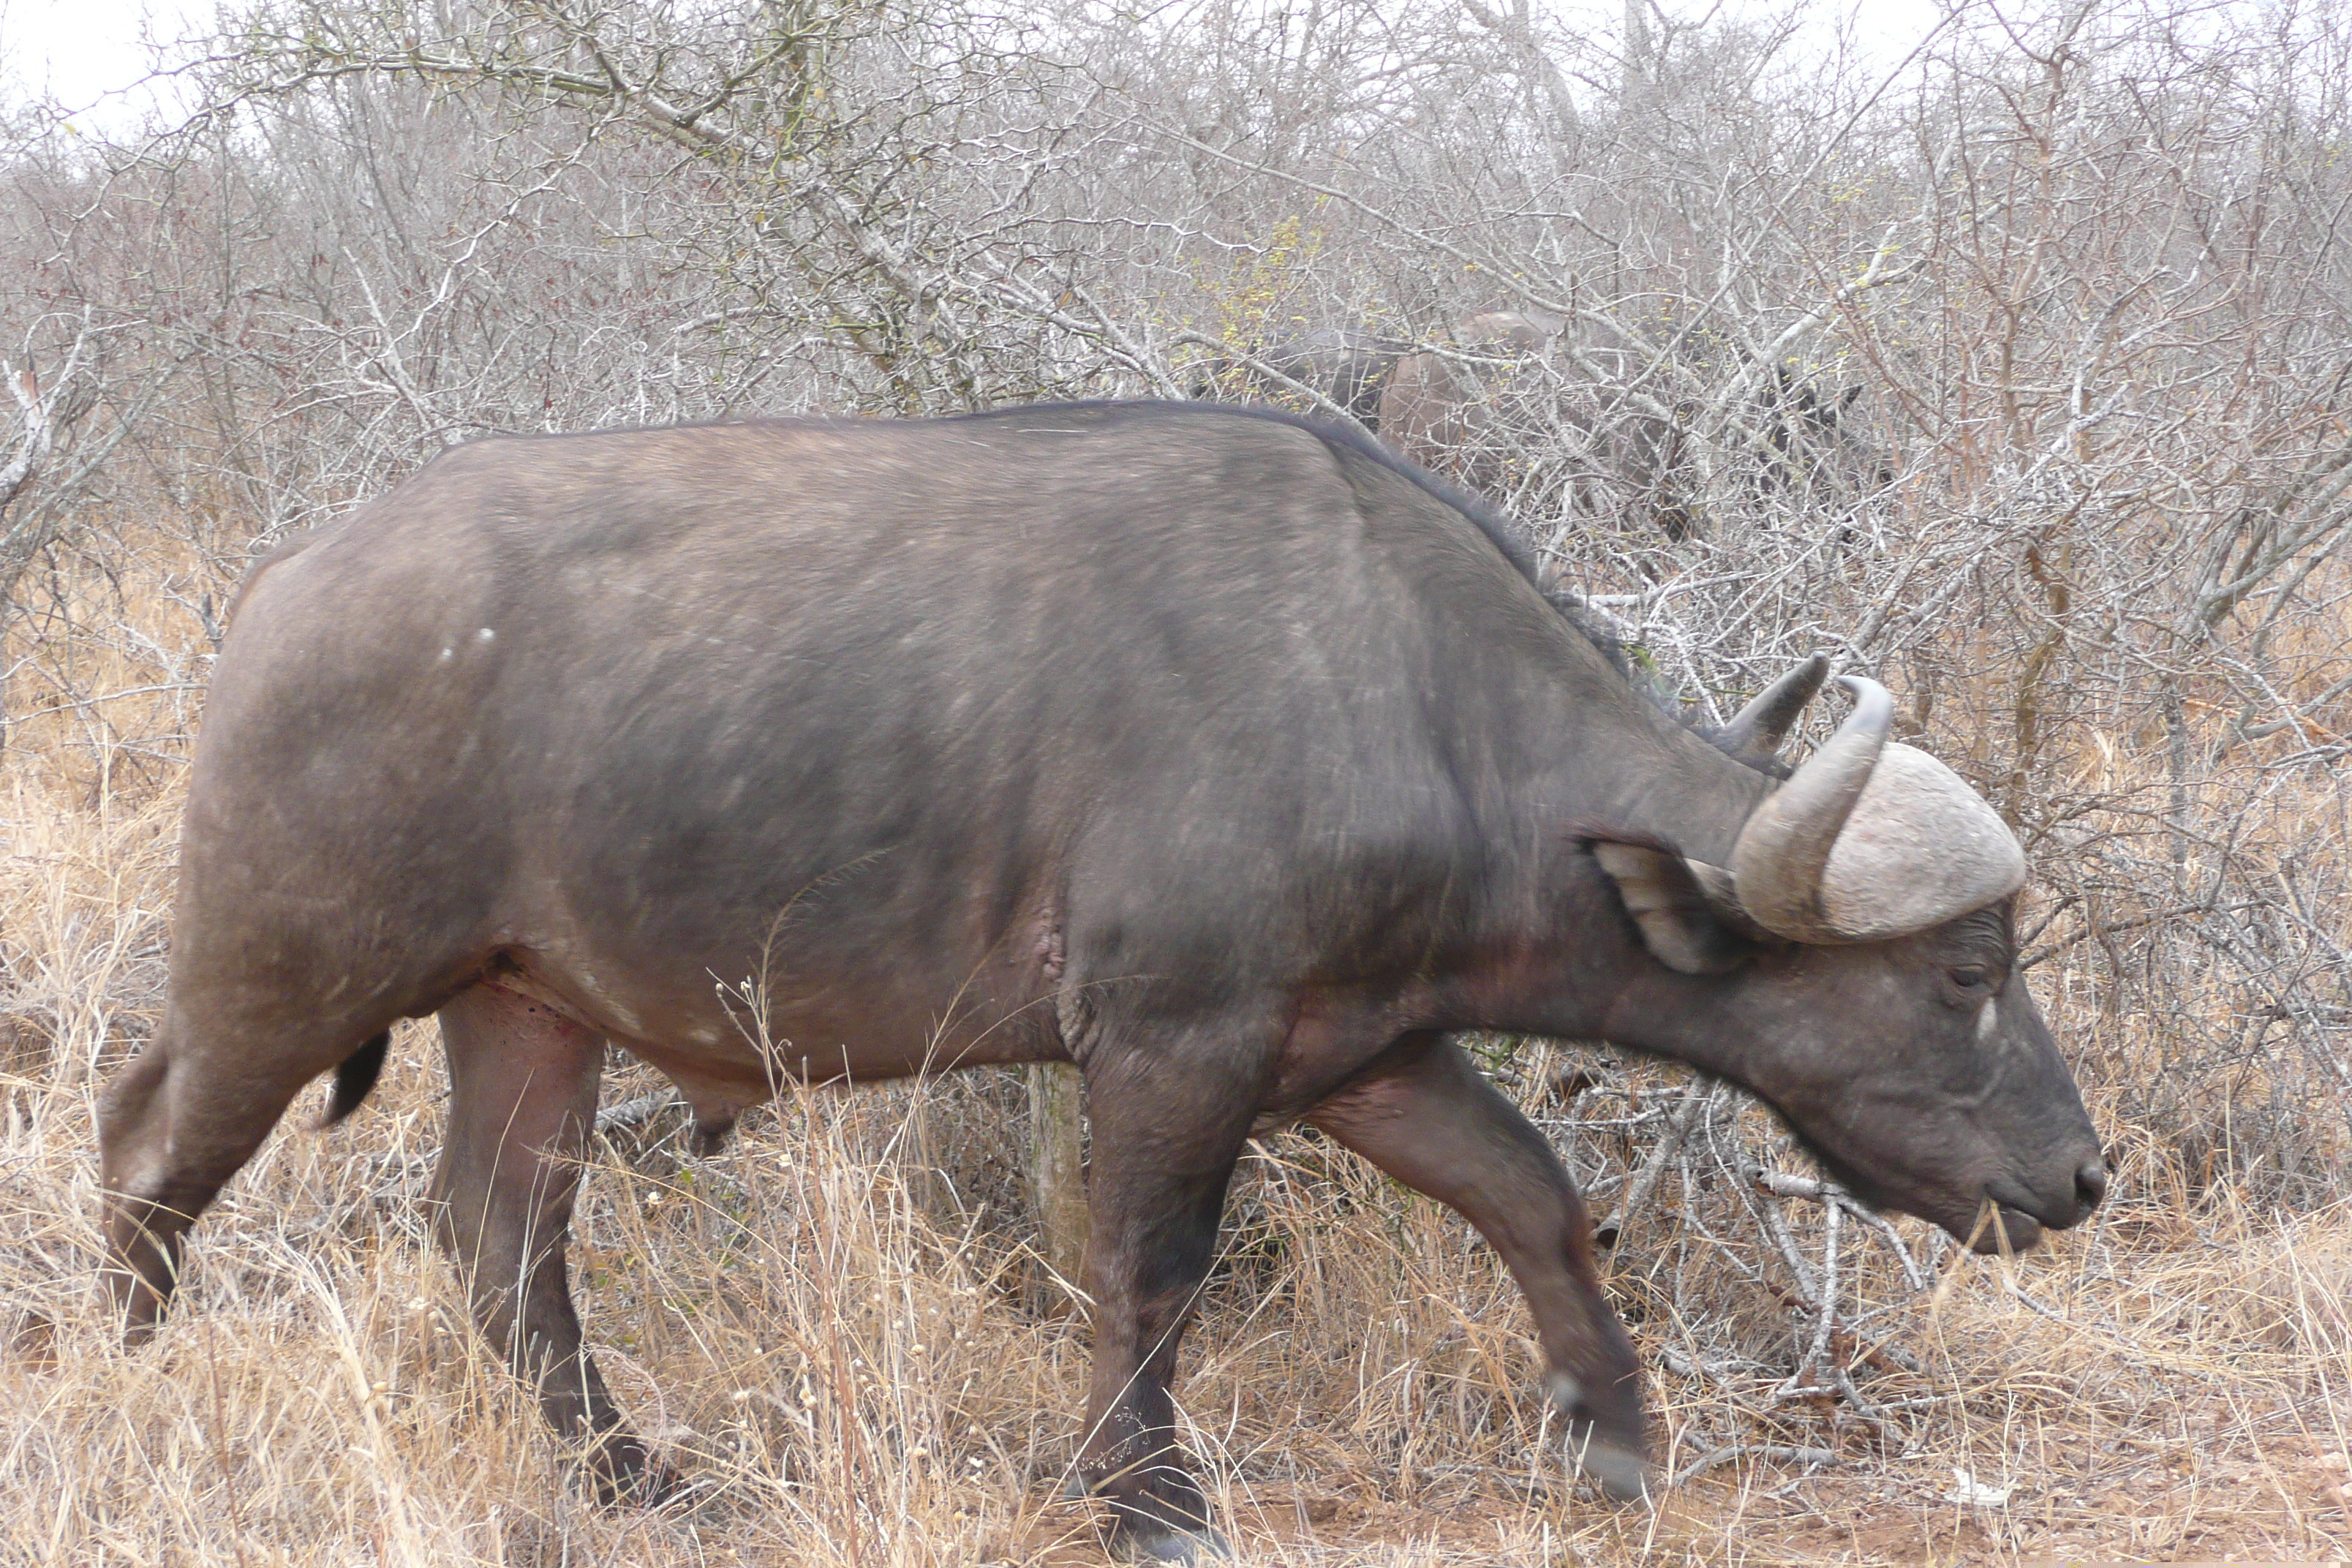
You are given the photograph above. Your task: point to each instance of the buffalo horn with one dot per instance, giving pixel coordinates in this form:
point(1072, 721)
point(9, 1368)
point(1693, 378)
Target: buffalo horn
point(1777, 864)
point(1871, 839)
point(1756, 732)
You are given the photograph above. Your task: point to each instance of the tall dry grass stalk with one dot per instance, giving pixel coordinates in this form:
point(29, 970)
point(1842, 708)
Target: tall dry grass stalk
point(839, 1329)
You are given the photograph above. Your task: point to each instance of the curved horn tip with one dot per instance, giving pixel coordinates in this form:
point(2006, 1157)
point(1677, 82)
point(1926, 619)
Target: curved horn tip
point(1779, 858)
point(1758, 730)
point(1860, 685)
point(1873, 706)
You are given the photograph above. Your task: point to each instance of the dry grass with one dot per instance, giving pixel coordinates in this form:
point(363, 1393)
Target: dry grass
point(836, 1325)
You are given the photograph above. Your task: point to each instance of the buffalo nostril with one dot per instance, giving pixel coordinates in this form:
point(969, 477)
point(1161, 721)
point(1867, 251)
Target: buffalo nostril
point(2091, 1183)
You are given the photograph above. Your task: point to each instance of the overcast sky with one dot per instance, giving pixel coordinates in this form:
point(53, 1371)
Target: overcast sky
point(87, 53)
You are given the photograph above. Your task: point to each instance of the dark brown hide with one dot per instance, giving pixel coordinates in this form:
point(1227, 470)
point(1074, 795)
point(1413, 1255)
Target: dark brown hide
point(1221, 755)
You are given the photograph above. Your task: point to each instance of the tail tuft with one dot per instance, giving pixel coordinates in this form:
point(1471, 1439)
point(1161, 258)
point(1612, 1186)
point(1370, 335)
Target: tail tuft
point(356, 1077)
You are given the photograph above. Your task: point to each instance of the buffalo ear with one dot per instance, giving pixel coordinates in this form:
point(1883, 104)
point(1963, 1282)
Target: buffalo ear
point(1683, 928)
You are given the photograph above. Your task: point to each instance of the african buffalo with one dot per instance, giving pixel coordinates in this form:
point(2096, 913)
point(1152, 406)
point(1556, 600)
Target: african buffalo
point(1469, 415)
point(1220, 753)
point(1458, 416)
point(1346, 366)
point(1813, 446)
point(1507, 394)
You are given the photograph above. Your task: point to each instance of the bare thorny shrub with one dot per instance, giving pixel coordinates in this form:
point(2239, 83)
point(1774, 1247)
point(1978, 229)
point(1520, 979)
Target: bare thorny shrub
point(2083, 261)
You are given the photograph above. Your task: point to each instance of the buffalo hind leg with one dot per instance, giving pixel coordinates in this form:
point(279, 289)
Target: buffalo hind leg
point(522, 1098)
point(1423, 1112)
point(1156, 1189)
point(173, 1126)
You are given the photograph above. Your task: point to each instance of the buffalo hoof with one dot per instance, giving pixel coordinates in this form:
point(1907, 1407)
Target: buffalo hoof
point(627, 1477)
point(1623, 1475)
point(1618, 1468)
point(1140, 1532)
point(1162, 1545)
point(656, 1486)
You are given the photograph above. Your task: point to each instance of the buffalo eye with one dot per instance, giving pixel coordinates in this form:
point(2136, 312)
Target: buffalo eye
point(1972, 976)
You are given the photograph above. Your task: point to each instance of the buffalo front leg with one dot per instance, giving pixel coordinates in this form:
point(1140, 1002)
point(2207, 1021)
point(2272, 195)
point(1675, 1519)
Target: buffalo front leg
point(523, 1098)
point(1156, 1189)
point(1423, 1112)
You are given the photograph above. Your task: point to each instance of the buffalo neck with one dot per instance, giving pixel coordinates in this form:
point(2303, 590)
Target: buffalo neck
point(1553, 950)
point(1597, 758)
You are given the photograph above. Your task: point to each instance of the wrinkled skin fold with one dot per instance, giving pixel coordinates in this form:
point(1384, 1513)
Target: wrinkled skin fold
point(1229, 758)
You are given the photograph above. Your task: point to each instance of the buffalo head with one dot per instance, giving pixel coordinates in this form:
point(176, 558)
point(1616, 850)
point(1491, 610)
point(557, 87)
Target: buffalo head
point(1855, 965)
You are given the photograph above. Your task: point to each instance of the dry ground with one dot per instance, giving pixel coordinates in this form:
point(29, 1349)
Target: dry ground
point(837, 1327)
point(829, 1324)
